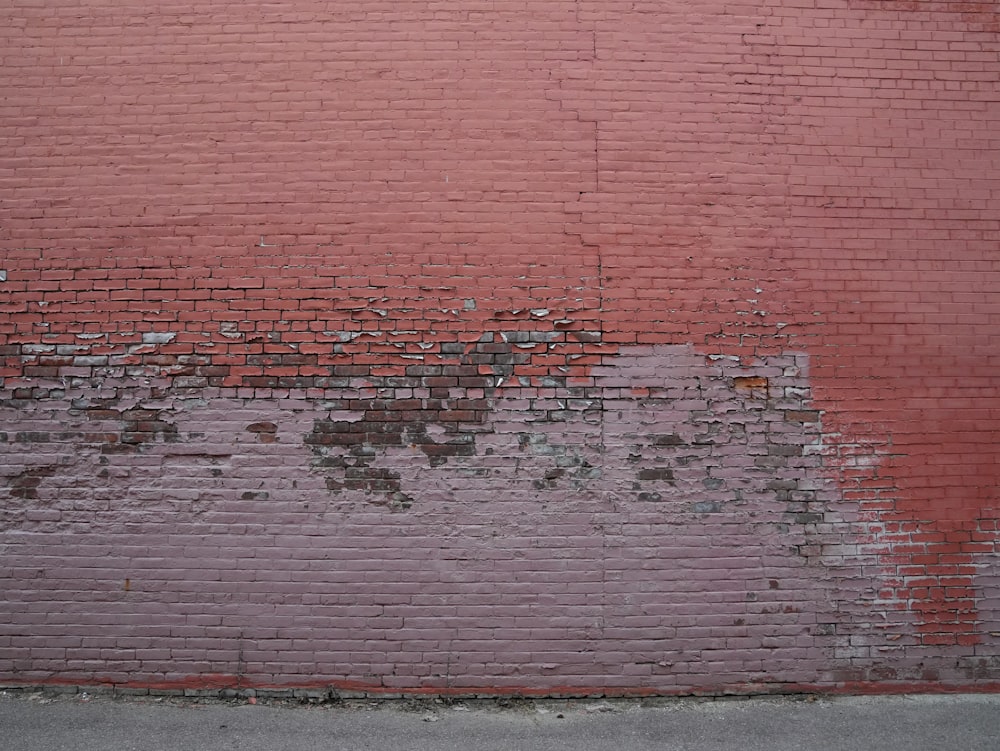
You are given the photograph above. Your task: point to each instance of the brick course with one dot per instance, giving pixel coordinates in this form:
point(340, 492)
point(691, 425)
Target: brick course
point(506, 347)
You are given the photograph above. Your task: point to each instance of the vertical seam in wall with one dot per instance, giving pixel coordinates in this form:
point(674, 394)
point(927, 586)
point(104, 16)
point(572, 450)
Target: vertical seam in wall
point(600, 315)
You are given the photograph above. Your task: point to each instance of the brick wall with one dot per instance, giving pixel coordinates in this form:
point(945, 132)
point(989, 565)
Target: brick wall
point(500, 347)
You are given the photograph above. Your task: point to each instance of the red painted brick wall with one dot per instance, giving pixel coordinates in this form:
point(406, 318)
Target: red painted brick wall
point(532, 347)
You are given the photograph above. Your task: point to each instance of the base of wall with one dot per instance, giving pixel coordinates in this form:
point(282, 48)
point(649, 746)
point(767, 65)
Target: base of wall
point(218, 687)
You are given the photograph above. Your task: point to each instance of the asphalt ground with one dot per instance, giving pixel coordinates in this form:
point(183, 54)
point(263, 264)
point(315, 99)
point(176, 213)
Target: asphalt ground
point(36, 721)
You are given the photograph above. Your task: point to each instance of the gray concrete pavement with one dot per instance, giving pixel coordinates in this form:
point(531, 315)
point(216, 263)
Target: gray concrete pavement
point(36, 722)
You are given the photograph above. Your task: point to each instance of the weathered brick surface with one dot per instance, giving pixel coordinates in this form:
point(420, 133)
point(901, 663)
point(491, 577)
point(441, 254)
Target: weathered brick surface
point(500, 346)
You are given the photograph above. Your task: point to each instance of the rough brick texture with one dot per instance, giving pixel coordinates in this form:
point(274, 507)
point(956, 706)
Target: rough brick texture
point(500, 347)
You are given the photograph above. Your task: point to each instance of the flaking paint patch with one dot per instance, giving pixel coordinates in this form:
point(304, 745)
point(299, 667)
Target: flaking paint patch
point(580, 522)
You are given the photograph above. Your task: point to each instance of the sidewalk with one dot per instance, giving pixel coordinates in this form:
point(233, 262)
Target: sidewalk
point(37, 722)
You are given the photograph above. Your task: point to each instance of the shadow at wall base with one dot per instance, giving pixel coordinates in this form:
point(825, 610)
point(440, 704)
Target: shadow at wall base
point(229, 688)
